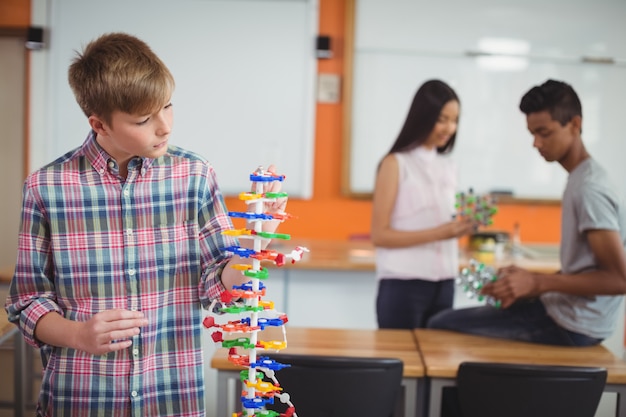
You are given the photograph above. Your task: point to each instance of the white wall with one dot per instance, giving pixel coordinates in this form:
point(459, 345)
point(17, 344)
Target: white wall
point(245, 75)
point(491, 52)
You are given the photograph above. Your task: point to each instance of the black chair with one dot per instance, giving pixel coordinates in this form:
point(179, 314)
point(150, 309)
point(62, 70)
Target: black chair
point(512, 390)
point(334, 386)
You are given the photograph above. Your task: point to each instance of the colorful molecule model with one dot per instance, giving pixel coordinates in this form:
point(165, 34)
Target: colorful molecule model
point(480, 208)
point(250, 314)
point(472, 279)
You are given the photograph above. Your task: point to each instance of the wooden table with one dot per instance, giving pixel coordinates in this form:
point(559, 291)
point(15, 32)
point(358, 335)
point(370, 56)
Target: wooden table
point(443, 351)
point(359, 255)
point(334, 342)
point(338, 255)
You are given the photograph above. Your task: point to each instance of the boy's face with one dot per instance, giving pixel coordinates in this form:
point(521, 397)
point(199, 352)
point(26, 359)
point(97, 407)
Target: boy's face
point(130, 135)
point(552, 140)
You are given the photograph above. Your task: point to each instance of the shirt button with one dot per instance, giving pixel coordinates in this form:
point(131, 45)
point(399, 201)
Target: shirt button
point(135, 352)
point(134, 393)
point(126, 193)
point(131, 272)
point(129, 231)
point(111, 164)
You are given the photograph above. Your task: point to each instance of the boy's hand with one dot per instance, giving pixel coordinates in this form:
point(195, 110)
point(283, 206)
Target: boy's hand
point(280, 204)
point(275, 207)
point(109, 331)
point(512, 284)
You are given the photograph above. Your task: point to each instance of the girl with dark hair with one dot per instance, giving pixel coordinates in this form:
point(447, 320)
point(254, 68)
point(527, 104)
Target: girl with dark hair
point(412, 227)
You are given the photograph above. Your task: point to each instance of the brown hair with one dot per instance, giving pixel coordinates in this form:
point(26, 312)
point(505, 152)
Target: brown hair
point(119, 72)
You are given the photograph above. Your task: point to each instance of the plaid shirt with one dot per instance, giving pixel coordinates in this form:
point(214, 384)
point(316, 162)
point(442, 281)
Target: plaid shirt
point(91, 241)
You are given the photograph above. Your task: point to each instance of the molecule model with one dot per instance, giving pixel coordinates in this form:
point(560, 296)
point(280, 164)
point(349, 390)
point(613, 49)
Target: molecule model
point(249, 312)
point(472, 279)
point(480, 208)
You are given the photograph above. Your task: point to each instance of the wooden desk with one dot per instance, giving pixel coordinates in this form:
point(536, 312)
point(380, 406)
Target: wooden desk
point(358, 255)
point(338, 255)
point(334, 342)
point(443, 351)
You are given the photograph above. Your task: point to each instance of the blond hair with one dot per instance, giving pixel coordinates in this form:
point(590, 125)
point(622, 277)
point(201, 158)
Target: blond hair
point(119, 72)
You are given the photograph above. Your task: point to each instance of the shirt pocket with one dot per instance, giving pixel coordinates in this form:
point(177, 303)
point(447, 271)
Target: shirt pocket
point(176, 252)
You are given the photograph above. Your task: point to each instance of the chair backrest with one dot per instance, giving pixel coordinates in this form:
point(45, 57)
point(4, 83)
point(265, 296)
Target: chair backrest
point(499, 389)
point(337, 386)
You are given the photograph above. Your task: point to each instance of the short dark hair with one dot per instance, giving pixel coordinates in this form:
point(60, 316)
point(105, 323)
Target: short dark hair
point(423, 114)
point(556, 97)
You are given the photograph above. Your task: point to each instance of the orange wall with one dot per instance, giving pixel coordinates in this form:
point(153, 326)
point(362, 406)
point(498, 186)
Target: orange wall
point(14, 13)
point(329, 214)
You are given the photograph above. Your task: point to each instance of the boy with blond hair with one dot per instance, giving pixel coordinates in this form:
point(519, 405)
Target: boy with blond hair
point(120, 246)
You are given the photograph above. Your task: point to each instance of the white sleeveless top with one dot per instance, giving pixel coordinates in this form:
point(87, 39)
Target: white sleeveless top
point(425, 199)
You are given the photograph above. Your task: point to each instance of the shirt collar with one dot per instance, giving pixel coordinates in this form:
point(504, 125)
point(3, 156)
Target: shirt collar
point(100, 159)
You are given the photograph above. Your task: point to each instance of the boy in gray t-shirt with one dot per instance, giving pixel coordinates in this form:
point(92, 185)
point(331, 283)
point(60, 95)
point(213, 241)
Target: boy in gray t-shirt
point(578, 305)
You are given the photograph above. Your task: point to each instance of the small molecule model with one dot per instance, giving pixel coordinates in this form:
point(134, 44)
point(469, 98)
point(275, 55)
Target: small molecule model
point(472, 279)
point(253, 314)
point(480, 208)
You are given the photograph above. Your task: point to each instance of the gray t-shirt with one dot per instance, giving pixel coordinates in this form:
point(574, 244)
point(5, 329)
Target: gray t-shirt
point(590, 202)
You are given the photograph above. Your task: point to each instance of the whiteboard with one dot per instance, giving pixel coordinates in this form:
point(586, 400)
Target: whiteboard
point(245, 75)
point(493, 148)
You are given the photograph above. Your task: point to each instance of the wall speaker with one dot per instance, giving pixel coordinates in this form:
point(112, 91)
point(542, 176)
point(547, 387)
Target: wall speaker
point(34, 38)
point(323, 47)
